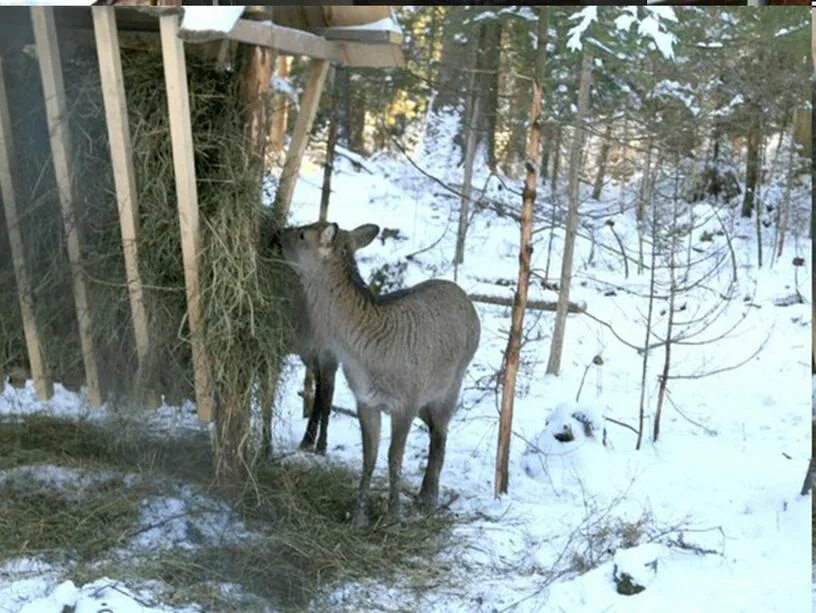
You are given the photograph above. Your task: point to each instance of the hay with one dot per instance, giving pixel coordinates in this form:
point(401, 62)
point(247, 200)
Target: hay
point(305, 543)
point(243, 288)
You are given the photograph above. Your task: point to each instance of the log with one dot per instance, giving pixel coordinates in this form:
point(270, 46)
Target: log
point(538, 305)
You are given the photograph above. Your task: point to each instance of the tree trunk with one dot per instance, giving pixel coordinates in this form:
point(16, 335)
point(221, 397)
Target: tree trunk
point(542, 70)
point(664, 376)
point(757, 200)
point(513, 351)
point(556, 160)
point(280, 111)
point(331, 141)
point(624, 168)
point(649, 314)
point(643, 196)
point(357, 118)
point(554, 362)
point(470, 154)
point(604, 154)
point(486, 88)
point(751, 166)
point(784, 213)
point(451, 81)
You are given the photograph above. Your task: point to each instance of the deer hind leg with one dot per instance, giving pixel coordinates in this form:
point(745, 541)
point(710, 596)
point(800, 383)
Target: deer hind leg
point(307, 444)
point(370, 427)
point(437, 418)
point(323, 402)
point(400, 426)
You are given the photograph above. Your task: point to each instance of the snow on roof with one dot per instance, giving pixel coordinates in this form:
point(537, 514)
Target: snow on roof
point(386, 25)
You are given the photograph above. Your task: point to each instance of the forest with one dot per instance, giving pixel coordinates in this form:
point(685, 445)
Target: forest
point(622, 195)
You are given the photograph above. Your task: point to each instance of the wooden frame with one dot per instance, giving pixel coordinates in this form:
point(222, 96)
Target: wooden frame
point(342, 45)
point(298, 42)
point(45, 36)
point(300, 137)
point(181, 136)
point(43, 386)
point(113, 94)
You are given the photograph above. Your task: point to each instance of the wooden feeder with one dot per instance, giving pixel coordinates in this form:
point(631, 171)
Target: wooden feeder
point(326, 34)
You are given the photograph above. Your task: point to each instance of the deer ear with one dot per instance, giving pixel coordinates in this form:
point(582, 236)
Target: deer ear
point(363, 235)
point(328, 234)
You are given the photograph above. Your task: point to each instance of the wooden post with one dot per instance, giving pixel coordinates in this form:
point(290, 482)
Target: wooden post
point(42, 383)
point(113, 93)
point(181, 136)
point(300, 137)
point(280, 106)
point(45, 37)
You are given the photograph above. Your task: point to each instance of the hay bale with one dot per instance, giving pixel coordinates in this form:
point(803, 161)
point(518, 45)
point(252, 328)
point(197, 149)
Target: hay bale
point(242, 286)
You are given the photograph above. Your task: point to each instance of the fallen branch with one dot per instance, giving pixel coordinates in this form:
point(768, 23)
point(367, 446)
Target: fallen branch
point(539, 305)
point(336, 409)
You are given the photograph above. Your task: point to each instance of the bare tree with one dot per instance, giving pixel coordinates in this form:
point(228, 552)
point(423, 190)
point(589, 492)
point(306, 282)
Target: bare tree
point(602, 158)
point(784, 213)
point(470, 154)
point(554, 363)
point(511, 355)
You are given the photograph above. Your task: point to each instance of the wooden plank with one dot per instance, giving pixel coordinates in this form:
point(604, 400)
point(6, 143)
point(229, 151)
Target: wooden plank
point(45, 37)
point(113, 94)
point(361, 35)
point(286, 40)
point(362, 55)
point(181, 136)
point(300, 137)
point(43, 386)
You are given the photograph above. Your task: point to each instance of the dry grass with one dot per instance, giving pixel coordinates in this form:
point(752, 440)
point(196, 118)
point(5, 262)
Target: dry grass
point(304, 542)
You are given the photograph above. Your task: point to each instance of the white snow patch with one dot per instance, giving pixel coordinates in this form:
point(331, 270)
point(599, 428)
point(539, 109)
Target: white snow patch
point(211, 18)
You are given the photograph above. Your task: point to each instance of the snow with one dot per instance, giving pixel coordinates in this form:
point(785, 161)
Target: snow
point(386, 24)
point(715, 501)
point(211, 18)
point(649, 26)
point(100, 595)
point(587, 15)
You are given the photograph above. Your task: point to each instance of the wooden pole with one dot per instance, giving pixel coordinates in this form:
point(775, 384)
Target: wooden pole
point(45, 37)
point(181, 136)
point(113, 93)
point(513, 351)
point(43, 386)
point(300, 138)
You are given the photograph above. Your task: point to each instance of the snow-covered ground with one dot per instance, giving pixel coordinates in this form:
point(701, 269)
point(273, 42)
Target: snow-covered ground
point(707, 519)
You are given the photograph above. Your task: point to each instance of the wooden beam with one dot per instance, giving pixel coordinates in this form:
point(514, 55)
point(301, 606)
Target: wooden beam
point(286, 40)
point(360, 35)
point(362, 55)
point(113, 94)
point(298, 42)
point(42, 383)
point(300, 138)
point(181, 136)
point(45, 37)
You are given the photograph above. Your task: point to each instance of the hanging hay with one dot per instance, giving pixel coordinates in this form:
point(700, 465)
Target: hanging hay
point(242, 285)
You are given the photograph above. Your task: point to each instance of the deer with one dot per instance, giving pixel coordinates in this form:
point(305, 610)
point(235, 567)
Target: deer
point(316, 356)
point(404, 353)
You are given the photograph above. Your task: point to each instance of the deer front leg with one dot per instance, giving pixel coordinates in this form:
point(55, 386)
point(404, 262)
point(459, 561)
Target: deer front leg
point(370, 427)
